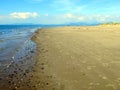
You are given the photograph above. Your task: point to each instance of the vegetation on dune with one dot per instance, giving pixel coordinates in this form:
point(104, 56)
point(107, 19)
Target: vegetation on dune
point(111, 23)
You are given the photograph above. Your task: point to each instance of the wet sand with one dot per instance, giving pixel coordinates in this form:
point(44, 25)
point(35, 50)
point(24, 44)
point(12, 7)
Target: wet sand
point(77, 58)
point(15, 72)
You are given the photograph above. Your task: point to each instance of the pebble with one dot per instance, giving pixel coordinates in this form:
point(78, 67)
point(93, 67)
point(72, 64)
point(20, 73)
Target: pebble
point(32, 51)
point(42, 68)
point(47, 83)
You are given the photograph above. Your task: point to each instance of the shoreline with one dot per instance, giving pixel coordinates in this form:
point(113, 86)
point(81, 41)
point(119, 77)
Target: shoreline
point(15, 73)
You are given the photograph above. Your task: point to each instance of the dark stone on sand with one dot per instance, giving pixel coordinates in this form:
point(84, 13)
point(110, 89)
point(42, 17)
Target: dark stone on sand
point(27, 71)
point(83, 74)
point(15, 72)
point(31, 75)
point(9, 82)
point(42, 68)
point(24, 74)
point(11, 75)
point(14, 88)
point(32, 51)
point(47, 83)
point(42, 63)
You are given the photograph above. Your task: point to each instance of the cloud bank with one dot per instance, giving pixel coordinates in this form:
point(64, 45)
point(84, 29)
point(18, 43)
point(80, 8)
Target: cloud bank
point(34, 17)
point(23, 15)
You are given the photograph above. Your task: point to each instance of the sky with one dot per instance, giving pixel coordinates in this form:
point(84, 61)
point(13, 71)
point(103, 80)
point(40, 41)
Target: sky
point(59, 11)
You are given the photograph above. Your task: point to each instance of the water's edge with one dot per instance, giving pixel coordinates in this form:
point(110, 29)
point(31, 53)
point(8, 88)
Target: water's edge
point(17, 69)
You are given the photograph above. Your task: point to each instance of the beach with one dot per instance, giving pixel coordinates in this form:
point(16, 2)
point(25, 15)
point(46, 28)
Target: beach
point(77, 58)
point(65, 58)
point(60, 45)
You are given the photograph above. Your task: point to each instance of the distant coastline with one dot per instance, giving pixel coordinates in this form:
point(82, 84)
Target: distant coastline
point(112, 23)
point(65, 24)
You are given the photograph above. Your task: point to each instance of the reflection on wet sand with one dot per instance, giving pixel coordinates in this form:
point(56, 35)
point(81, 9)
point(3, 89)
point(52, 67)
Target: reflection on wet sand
point(15, 72)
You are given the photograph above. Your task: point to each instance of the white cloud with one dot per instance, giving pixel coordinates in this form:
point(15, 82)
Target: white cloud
point(46, 14)
point(28, 17)
point(69, 15)
point(81, 18)
point(73, 17)
point(23, 15)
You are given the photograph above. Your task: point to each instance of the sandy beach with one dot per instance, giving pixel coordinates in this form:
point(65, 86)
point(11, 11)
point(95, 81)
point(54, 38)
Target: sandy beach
point(60, 45)
point(77, 58)
point(69, 58)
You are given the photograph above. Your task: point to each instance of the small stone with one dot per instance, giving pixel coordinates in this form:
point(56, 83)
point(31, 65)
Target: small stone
point(15, 72)
point(14, 89)
point(32, 51)
point(42, 68)
point(21, 79)
point(47, 83)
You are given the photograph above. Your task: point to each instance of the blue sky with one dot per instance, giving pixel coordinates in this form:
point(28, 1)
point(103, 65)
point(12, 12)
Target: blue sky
point(59, 11)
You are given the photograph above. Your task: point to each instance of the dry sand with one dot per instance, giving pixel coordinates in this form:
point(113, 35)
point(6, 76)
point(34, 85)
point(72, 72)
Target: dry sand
point(77, 58)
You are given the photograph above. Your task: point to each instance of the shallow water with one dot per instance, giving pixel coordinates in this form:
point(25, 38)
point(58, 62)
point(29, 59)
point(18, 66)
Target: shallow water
point(16, 46)
point(16, 54)
point(13, 38)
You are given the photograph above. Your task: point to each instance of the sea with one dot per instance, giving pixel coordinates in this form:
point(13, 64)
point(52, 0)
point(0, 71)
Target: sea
point(16, 45)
